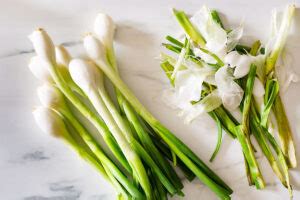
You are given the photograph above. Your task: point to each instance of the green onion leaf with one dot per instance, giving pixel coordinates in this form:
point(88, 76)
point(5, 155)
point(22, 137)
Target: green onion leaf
point(219, 141)
point(272, 89)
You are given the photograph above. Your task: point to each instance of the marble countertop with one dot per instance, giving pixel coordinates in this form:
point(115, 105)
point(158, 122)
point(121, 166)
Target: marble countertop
point(35, 166)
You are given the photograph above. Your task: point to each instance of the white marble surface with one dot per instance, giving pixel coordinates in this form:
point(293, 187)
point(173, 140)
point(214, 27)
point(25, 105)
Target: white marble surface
point(34, 166)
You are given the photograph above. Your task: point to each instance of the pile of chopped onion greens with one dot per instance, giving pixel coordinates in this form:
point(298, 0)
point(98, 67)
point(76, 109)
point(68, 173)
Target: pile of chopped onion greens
point(210, 71)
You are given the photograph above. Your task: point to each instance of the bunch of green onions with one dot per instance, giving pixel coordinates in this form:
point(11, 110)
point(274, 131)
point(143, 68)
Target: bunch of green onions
point(138, 162)
point(254, 121)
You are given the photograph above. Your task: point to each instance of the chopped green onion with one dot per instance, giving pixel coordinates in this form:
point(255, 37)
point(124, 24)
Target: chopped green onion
point(189, 28)
point(285, 133)
point(216, 17)
point(174, 41)
point(272, 89)
point(251, 160)
point(255, 47)
point(242, 49)
point(217, 148)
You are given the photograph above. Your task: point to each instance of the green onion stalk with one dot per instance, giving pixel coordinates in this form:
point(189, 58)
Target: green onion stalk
point(81, 72)
point(243, 132)
point(259, 132)
point(44, 48)
point(132, 117)
point(284, 129)
point(93, 118)
point(52, 122)
point(226, 119)
point(51, 97)
point(264, 138)
point(104, 106)
point(220, 115)
point(207, 176)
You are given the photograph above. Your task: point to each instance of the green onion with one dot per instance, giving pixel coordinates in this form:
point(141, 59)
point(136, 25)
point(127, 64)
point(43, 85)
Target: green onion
point(251, 160)
point(85, 74)
point(247, 99)
point(174, 41)
point(283, 162)
point(50, 118)
point(262, 137)
point(181, 150)
point(243, 132)
point(217, 148)
point(216, 17)
point(219, 61)
point(272, 89)
point(285, 133)
point(143, 134)
point(255, 47)
point(189, 28)
point(163, 148)
point(227, 121)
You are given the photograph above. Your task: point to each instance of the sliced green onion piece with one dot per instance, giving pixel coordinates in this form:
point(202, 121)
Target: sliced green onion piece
point(215, 15)
point(272, 90)
point(261, 137)
point(282, 160)
point(220, 63)
point(174, 41)
point(189, 28)
point(251, 160)
point(242, 49)
point(247, 99)
point(285, 133)
point(243, 132)
point(255, 47)
point(217, 148)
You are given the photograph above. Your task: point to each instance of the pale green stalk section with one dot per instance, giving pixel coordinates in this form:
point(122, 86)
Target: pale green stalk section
point(282, 160)
point(272, 89)
point(92, 117)
point(96, 149)
point(104, 161)
point(249, 154)
point(83, 154)
point(132, 157)
point(98, 166)
point(285, 133)
point(115, 113)
point(243, 132)
point(121, 192)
